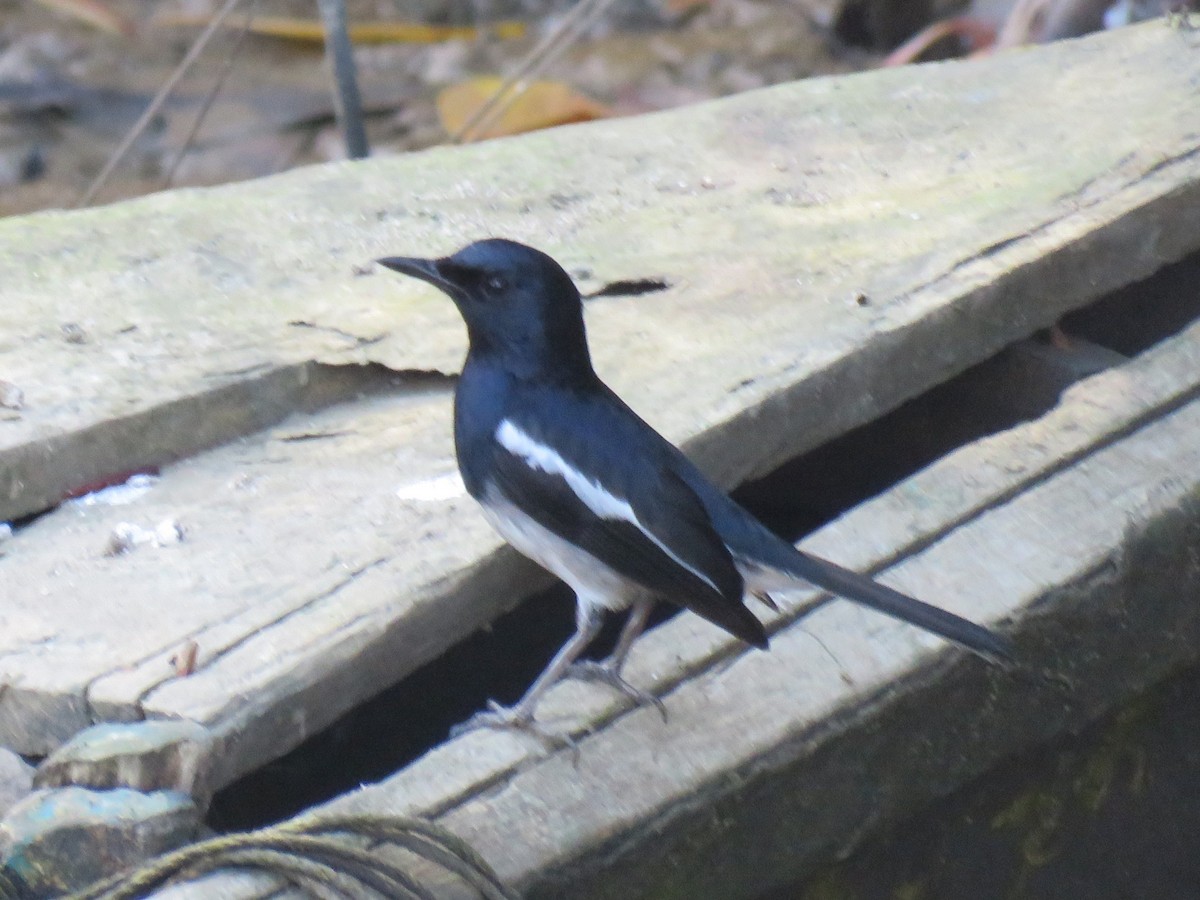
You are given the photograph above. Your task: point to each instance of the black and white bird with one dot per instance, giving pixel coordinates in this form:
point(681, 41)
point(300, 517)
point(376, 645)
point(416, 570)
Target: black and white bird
point(576, 481)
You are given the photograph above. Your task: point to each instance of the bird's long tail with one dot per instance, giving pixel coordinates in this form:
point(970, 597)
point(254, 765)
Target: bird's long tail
point(861, 589)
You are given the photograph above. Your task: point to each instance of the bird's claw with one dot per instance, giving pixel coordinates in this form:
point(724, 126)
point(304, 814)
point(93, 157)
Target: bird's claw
point(511, 718)
point(588, 670)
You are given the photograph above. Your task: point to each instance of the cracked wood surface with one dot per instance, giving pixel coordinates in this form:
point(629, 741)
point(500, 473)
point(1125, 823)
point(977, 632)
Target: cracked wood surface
point(1081, 524)
point(832, 248)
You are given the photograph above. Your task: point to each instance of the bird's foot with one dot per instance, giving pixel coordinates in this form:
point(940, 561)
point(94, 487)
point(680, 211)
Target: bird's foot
point(511, 718)
point(606, 673)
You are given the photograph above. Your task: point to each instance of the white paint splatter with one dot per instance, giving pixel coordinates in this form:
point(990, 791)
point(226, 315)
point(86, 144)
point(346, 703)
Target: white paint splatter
point(119, 494)
point(432, 490)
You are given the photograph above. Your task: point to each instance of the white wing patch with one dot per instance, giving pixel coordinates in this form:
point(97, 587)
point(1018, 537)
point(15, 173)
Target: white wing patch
point(592, 494)
point(547, 459)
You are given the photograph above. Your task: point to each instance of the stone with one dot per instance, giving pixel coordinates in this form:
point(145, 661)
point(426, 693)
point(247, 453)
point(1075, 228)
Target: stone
point(61, 840)
point(155, 755)
point(16, 779)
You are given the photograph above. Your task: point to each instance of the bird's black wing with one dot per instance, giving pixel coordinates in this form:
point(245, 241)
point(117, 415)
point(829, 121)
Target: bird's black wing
point(630, 511)
point(755, 547)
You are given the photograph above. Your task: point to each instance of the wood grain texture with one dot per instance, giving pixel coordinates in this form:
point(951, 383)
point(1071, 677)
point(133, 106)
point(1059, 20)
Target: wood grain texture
point(229, 321)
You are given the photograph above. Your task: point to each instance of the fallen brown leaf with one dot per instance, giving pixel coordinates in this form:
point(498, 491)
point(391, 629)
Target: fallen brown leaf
point(678, 7)
point(184, 662)
point(93, 12)
point(977, 34)
point(312, 31)
point(543, 104)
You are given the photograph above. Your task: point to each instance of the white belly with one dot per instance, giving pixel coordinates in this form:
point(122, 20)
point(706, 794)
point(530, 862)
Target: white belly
point(594, 583)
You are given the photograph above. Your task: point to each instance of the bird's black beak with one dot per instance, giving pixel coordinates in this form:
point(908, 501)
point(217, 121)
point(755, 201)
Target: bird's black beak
point(425, 269)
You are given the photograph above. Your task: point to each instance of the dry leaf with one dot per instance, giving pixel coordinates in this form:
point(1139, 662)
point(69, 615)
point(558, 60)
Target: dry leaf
point(977, 34)
point(94, 13)
point(543, 104)
point(679, 7)
point(184, 662)
point(312, 31)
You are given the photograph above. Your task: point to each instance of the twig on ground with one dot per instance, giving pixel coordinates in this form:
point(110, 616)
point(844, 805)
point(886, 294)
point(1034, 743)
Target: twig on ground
point(156, 104)
point(226, 68)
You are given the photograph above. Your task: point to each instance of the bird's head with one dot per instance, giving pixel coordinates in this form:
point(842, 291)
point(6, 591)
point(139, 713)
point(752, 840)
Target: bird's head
point(522, 310)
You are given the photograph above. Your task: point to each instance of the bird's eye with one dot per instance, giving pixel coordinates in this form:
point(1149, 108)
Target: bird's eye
point(496, 283)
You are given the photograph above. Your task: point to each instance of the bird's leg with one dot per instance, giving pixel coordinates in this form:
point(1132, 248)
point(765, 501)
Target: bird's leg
point(609, 671)
point(588, 619)
point(632, 630)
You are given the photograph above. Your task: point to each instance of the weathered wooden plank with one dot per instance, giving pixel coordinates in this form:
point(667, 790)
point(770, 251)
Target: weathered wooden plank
point(771, 762)
point(916, 513)
point(312, 585)
point(775, 761)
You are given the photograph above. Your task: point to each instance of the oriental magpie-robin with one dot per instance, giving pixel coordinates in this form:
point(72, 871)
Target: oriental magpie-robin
point(575, 480)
